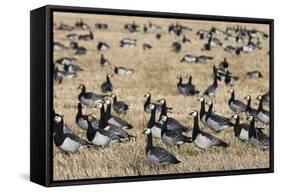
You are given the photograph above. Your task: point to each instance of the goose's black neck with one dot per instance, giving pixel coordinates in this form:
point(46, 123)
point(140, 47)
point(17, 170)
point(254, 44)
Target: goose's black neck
point(115, 99)
point(260, 107)
point(149, 143)
point(202, 109)
point(180, 81)
point(196, 128)
point(190, 79)
point(79, 112)
point(103, 120)
point(108, 79)
point(215, 80)
point(236, 126)
point(107, 112)
point(147, 102)
point(252, 129)
point(151, 121)
point(163, 109)
point(248, 104)
point(232, 97)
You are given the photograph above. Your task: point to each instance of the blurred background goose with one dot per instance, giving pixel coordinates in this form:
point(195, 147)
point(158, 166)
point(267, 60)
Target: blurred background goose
point(103, 61)
point(107, 85)
point(187, 89)
point(123, 71)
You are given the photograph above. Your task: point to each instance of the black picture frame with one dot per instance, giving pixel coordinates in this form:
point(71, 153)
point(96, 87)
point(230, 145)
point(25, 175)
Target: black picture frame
point(41, 94)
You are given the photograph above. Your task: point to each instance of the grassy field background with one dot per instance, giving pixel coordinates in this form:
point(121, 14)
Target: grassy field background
point(155, 72)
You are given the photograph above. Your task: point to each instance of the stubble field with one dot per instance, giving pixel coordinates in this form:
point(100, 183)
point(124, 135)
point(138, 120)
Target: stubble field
point(155, 72)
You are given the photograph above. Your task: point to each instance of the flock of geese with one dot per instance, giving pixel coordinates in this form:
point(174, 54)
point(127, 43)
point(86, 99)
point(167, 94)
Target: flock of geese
point(110, 128)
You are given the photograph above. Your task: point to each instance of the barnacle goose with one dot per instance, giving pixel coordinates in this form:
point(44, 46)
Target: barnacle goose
point(172, 124)
point(155, 127)
point(172, 137)
point(58, 75)
point(202, 112)
point(66, 128)
point(203, 59)
point(241, 130)
point(229, 79)
point(123, 71)
point(66, 60)
point(216, 122)
point(115, 120)
point(256, 137)
point(132, 27)
point(146, 46)
point(128, 42)
point(184, 40)
point(72, 37)
point(119, 106)
point(58, 46)
point(236, 105)
point(222, 67)
point(81, 24)
point(107, 85)
point(262, 114)
point(201, 139)
point(72, 68)
point(187, 89)
point(176, 47)
point(156, 155)
point(148, 101)
point(217, 31)
point(203, 34)
point(79, 50)
point(212, 89)
point(229, 48)
point(87, 37)
point(158, 36)
point(102, 46)
point(67, 142)
point(152, 26)
point(249, 109)
point(101, 26)
point(65, 27)
point(81, 120)
point(254, 74)
point(89, 98)
point(189, 59)
point(103, 61)
point(100, 136)
point(266, 97)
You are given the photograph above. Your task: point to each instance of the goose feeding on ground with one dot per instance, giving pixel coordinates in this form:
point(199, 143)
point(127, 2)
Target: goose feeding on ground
point(216, 122)
point(87, 37)
point(107, 85)
point(187, 89)
point(172, 137)
point(146, 46)
point(262, 114)
point(236, 105)
point(67, 142)
point(256, 137)
point(189, 59)
point(156, 155)
point(249, 109)
point(78, 49)
point(201, 139)
point(123, 71)
point(203, 59)
point(65, 27)
point(72, 37)
point(58, 46)
point(119, 106)
point(254, 74)
point(115, 120)
point(72, 68)
point(89, 98)
point(128, 42)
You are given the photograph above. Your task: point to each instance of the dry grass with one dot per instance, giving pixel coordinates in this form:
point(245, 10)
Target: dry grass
point(155, 71)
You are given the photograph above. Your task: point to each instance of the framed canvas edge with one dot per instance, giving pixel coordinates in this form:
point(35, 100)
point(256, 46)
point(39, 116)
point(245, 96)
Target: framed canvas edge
point(49, 27)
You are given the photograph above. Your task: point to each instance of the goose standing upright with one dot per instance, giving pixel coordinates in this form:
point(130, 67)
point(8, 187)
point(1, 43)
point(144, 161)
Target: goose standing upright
point(107, 85)
point(216, 122)
point(89, 98)
point(115, 120)
point(67, 142)
point(256, 137)
point(202, 112)
point(212, 89)
point(201, 139)
point(103, 61)
point(156, 155)
point(99, 137)
point(81, 120)
point(262, 114)
point(119, 106)
point(241, 130)
point(236, 105)
point(249, 109)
